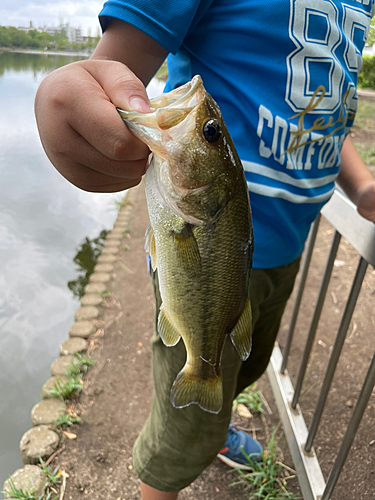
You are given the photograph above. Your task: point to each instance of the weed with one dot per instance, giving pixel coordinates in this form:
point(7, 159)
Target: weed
point(19, 494)
point(126, 231)
point(265, 480)
point(125, 247)
point(53, 476)
point(80, 365)
point(104, 294)
point(65, 390)
point(251, 398)
point(123, 202)
point(66, 420)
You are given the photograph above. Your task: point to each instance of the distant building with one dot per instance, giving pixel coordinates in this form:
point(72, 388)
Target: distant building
point(29, 28)
point(74, 35)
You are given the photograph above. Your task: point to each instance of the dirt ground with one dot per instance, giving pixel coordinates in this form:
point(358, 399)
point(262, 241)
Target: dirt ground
point(117, 391)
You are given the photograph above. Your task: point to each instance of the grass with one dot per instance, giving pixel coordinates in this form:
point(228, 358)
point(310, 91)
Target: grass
point(366, 153)
point(266, 480)
point(65, 390)
point(365, 111)
point(53, 476)
point(123, 202)
point(66, 420)
point(81, 365)
point(17, 493)
point(53, 479)
point(250, 398)
point(162, 73)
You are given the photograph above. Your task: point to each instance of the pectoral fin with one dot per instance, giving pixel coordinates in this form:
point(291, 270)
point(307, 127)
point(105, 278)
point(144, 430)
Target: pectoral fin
point(241, 333)
point(187, 248)
point(150, 246)
point(166, 330)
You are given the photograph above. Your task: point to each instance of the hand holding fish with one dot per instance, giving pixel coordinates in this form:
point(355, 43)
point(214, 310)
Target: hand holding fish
point(81, 131)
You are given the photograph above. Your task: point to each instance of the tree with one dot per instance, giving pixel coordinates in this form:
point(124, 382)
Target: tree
point(371, 33)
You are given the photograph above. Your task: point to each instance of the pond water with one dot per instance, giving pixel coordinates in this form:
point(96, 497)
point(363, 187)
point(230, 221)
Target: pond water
point(45, 223)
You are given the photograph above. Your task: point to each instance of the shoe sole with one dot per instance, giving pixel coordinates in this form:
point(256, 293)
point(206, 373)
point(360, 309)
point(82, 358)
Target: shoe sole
point(232, 464)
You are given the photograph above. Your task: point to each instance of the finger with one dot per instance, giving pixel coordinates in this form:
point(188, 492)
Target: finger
point(89, 110)
point(90, 180)
point(87, 155)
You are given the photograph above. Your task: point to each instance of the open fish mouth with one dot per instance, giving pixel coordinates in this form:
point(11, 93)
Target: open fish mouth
point(188, 95)
point(172, 110)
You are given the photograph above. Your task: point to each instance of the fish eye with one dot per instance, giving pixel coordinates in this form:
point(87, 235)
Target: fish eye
point(212, 131)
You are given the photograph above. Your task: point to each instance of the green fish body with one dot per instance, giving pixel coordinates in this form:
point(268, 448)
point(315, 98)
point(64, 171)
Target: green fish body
point(200, 237)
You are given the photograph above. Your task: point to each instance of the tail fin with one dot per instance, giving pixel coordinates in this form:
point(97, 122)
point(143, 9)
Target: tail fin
point(188, 389)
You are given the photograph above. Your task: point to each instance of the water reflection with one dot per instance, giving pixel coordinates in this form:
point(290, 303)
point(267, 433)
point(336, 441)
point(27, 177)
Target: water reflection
point(86, 259)
point(42, 219)
point(35, 63)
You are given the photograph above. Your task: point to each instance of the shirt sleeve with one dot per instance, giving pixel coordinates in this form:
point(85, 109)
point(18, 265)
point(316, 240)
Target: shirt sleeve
point(166, 21)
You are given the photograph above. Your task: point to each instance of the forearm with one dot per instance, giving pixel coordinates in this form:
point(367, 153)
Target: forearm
point(354, 175)
point(126, 44)
point(357, 181)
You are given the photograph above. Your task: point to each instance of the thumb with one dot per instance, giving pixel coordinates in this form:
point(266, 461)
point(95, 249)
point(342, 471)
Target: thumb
point(121, 85)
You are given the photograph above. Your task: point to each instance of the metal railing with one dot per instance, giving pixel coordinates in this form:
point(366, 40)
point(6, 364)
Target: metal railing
point(360, 233)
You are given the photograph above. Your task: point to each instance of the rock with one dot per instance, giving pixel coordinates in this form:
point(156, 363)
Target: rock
point(113, 236)
point(110, 250)
point(61, 364)
point(92, 299)
point(38, 442)
point(102, 277)
point(81, 329)
point(104, 268)
point(30, 478)
point(86, 313)
point(47, 411)
point(97, 287)
point(50, 384)
point(105, 258)
point(73, 345)
point(120, 226)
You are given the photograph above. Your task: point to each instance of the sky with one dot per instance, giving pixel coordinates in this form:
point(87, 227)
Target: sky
point(80, 14)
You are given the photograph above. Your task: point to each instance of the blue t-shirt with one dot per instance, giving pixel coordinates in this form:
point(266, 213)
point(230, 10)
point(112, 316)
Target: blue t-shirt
point(284, 74)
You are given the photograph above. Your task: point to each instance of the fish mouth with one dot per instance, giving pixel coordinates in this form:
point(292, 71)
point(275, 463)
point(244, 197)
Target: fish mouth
point(168, 111)
point(187, 95)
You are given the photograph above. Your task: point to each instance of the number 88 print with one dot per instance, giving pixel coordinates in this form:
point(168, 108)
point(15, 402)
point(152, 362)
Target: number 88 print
point(329, 38)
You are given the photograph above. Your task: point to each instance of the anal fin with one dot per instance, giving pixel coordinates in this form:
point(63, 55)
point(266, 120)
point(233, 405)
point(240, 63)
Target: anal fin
point(167, 331)
point(241, 333)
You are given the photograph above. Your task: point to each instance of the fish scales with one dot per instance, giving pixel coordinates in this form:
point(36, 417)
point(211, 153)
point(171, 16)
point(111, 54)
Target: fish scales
point(200, 236)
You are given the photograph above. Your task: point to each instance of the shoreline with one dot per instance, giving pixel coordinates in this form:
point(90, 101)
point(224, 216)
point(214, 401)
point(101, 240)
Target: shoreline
point(48, 52)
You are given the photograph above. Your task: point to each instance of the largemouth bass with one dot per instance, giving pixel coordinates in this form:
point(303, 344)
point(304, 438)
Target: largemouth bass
point(200, 237)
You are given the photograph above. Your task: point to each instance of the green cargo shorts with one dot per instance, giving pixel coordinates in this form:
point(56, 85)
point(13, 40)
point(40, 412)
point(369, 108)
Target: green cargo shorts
point(176, 445)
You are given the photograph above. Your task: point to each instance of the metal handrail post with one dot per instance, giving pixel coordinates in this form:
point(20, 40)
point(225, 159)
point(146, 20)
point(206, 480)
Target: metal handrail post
point(351, 430)
point(316, 317)
point(336, 351)
point(301, 287)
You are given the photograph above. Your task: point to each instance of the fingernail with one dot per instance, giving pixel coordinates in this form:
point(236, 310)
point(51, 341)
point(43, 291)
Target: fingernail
point(140, 105)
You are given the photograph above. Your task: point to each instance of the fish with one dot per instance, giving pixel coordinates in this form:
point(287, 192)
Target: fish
point(200, 237)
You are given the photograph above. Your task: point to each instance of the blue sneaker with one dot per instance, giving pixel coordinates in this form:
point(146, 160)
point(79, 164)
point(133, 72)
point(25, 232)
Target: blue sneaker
point(232, 454)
